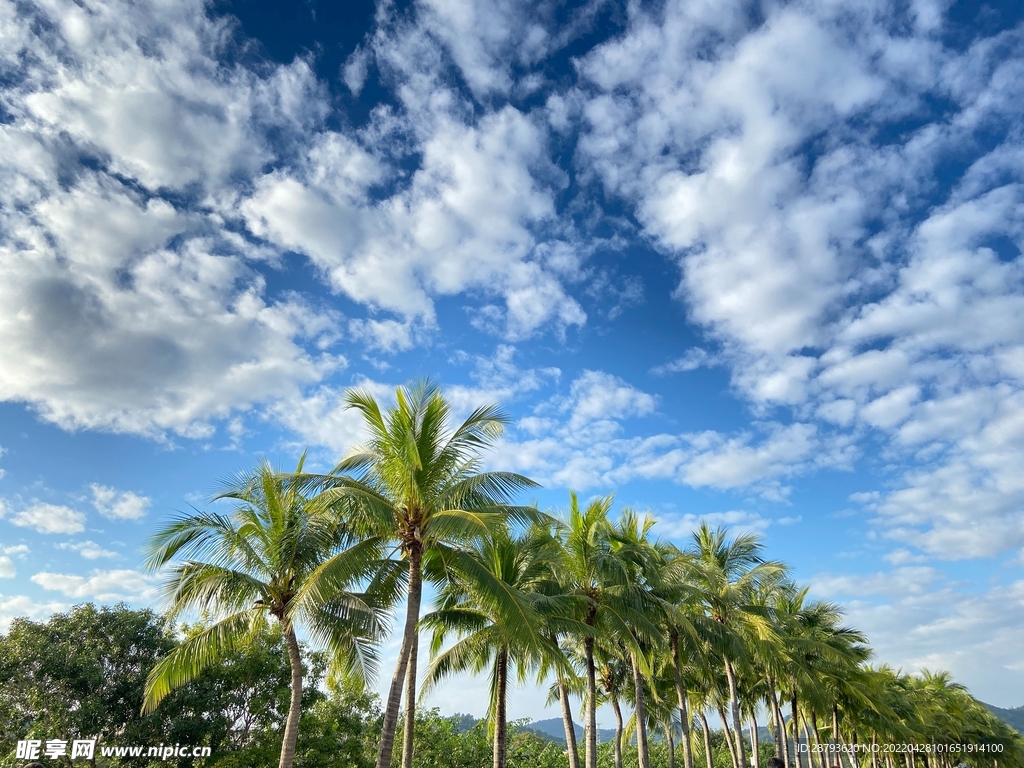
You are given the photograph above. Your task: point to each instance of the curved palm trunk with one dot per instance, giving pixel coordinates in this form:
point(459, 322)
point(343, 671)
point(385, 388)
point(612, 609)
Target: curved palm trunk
point(734, 704)
point(412, 617)
point(814, 737)
point(500, 719)
point(291, 727)
point(727, 735)
point(590, 729)
point(779, 723)
point(707, 740)
point(641, 715)
point(567, 723)
point(618, 732)
point(684, 715)
point(807, 741)
point(755, 744)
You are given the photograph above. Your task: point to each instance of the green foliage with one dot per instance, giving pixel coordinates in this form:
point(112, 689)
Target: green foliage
point(81, 674)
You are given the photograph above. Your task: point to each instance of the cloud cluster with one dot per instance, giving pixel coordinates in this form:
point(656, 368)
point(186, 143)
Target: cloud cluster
point(846, 271)
point(580, 440)
point(840, 188)
point(130, 302)
point(918, 619)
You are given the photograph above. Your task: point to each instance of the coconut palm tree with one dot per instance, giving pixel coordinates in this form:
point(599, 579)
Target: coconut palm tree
point(647, 582)
point(276, 554)
point(613, 676)
point(728, 573)
point(497, 600)
point(592, 570)
point(417, 481)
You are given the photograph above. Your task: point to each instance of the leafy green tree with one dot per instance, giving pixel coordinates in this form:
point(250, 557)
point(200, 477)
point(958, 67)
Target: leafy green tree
point(275, 555)
point(82, 674)
point(417, 481)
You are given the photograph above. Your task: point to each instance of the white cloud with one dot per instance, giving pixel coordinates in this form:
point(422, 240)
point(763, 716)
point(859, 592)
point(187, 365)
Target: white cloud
point(694, 358)
point(118, 505)
point(921, 621)
point(596, 396)
point(578, 441)
point(106, 586)
point(21, 606)
point(843, 283)
point(90, 550)
point(728, 463)
point(7, 569)
point(738, 520)
point(123, 310)
point(464, 223)
point(50, 518)
point(19, 550)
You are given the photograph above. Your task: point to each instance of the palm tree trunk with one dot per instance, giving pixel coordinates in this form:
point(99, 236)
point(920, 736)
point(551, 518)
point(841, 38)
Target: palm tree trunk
point(817, 742)
point(833, 739)
point(291, 728)
point(409, 639)
point(671, 746)
point(684, 715)
point(618, 731)
point(794, 720)
point(641, 715)
point(707, 740)
point(781, 743)
point(755, 744)
point(735, 705)
point(409, 730)
point(807, 740)
point(500, 720)
point(727, 734)
point(567, 723)
point(590, 729)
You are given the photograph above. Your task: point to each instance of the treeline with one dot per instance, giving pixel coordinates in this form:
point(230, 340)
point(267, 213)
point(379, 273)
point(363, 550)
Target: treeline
point(590, 602)
point(83, 673)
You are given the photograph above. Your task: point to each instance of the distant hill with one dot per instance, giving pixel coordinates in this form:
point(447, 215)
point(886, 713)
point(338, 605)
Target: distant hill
point(553, 729)
point(1012, 717)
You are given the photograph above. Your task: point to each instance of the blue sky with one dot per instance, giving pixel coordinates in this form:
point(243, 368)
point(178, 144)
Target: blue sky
point(753, 262)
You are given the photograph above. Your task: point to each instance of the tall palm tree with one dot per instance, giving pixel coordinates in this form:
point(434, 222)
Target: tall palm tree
point(641, 596)
point(277, 554)
point(592, 571)
point(497, 601)
point(417, 481)
point(613, 675)
point(728, 573)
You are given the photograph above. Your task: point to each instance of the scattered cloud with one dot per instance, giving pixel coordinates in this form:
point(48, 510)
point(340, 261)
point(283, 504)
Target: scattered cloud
point(50, 518)
point(106, 586)
point(21, 606)
point(7, 569)
point(90, 550)
point(736, 520)
point(920, 620)
point(694, 358)
point(118, 505)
